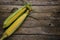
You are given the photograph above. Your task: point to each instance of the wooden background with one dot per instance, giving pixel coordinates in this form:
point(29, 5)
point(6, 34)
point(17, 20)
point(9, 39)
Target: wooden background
point(42, 24)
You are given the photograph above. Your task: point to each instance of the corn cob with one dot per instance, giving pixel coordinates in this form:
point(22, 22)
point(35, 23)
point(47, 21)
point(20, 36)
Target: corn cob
point(15, 25)
point(13, 16)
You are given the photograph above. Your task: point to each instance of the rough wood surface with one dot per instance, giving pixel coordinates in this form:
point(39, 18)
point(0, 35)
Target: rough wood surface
point(39, 26)
point(33, 2)
point(36, 19)
point(39, 30)
point(43, 23)
point(8, 8)
point(34, 37)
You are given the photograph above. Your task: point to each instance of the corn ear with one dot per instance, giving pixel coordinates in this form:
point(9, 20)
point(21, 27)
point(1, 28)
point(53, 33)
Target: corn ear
point(15, 25)
point(13, 17)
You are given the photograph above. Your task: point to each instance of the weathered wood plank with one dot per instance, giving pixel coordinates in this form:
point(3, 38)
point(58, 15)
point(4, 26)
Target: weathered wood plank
point(36, 19)
point(34, 15)
point(41, 15)
point(56, 22)
point(33, 2)
point(39, 30)
point(35, 23)
point(37, 16)
point(33, 37)
point(30, 22)
point(8, 8)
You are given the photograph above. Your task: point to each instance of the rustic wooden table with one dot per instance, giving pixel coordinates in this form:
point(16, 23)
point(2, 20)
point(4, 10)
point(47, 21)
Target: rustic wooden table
point(42, 24)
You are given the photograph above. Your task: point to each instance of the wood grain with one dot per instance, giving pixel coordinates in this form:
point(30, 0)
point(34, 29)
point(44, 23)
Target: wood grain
point(43, 23)
point(36, 19)
point(39, 30)
point(8, 8)
point(33, 2)
point(33, 37)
